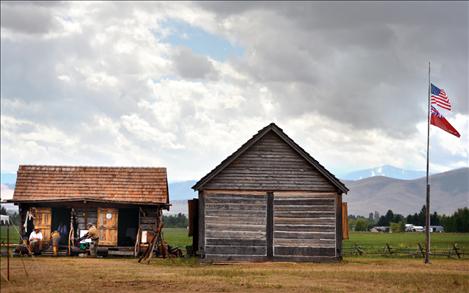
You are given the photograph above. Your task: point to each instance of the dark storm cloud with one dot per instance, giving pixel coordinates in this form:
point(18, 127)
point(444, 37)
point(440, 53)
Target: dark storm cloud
point(363, 64)
point(29, 17)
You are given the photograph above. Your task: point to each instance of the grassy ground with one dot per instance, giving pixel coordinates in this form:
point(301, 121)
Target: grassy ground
point(66, 274)
point(370, 242)
point(177, 237)
point(14, 236)
point(409, 239)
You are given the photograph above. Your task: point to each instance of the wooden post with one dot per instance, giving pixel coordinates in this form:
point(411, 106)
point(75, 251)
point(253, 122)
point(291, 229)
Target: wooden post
point(8, 250)
point(270, 225)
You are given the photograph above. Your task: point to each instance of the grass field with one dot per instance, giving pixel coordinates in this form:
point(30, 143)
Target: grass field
point(373, 242)
point(67, 274)
point(14, 236)
point(354, 274)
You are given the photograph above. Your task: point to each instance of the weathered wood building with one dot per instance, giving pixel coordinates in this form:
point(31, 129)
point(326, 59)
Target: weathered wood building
point(120, 202)
point(270, 200)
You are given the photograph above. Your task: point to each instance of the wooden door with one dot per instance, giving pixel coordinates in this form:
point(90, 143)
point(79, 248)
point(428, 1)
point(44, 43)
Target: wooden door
point(107, 226)
point(42, 220)
point(304, 225)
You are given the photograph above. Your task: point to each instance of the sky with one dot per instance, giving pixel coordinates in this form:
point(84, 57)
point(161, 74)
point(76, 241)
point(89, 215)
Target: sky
point(183, 85)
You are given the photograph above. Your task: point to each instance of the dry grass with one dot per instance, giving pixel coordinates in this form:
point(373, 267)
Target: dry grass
point(126, 275)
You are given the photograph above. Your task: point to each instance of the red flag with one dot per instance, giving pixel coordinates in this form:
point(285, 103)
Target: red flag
point(439, 121)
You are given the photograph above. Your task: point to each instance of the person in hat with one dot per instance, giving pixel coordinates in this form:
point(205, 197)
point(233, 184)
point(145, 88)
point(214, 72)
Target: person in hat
point(35, 241)
point(94, 236)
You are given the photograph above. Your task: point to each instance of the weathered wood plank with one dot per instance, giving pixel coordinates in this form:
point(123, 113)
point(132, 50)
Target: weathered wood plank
point(238, 227)
point(237, 214)
point(270, 164)
point(233, 195)
point(235, 201)
point(304, 228)
point(235, 250)
point(305, 215)
point(305, 201)
point(306, 208)
point(235, 234)
point(235, 242)
point(305, 243)
point(306, 251)
point(225, 258)
point(303, 221)
point(235, 221)
point(235, 207)
point(304, 235)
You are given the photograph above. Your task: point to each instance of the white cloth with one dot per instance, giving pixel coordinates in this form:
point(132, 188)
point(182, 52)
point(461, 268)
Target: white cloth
point(35, 235)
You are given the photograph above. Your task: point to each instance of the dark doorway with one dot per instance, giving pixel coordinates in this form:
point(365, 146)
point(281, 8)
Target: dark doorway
point(61, 223)
point(127, 227)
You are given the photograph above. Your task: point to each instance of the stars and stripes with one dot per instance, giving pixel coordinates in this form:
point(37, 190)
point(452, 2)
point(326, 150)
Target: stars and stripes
point(439, 98)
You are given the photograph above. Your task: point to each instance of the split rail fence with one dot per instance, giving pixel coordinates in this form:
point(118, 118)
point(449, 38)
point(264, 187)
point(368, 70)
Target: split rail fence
point(455, 251)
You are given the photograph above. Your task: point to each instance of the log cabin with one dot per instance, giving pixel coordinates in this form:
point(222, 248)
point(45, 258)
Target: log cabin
point(270, 201)
point(122, 202)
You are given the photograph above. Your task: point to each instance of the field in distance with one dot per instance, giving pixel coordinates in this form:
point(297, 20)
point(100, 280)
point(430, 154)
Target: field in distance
point(372, 242)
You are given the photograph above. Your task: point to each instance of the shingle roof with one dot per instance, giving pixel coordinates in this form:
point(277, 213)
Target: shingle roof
point(112, 184)
point(271, 127)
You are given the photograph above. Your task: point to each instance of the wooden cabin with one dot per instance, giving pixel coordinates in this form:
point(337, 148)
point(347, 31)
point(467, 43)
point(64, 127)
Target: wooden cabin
point(122, 203)
point(270, 200)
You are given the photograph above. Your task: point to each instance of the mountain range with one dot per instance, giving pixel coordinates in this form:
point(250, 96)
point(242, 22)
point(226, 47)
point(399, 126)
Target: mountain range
point(386, 170)
point(375, 189)
point(449, 191)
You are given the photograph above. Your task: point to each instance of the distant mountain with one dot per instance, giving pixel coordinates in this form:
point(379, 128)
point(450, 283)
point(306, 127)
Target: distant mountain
point(386, 170)
point(449, 191)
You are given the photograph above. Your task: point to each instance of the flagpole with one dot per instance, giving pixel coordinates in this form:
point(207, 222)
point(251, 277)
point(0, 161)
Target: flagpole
point(427, 206)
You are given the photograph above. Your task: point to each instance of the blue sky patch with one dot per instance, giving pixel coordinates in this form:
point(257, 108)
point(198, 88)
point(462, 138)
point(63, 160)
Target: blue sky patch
point(200, 41)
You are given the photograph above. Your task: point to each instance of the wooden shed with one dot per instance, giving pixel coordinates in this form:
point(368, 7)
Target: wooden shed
point(270, 200)
point(120, 202)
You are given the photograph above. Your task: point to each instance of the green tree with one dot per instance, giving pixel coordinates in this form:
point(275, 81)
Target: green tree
point(361, 225)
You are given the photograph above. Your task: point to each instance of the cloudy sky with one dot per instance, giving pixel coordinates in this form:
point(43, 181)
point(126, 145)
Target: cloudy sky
point(183, 85)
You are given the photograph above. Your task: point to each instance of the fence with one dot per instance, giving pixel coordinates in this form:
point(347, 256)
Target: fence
point(455, 251)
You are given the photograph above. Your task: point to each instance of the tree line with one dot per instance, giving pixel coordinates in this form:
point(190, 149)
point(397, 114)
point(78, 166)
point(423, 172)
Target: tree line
point(176, 221)
point(457, 222)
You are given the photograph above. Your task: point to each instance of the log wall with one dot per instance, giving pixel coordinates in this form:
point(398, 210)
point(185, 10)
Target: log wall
point(304, 225)
point(253, 225)
point(235, 226)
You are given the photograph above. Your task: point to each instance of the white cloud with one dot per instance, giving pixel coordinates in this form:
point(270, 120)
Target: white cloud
point(99, 84)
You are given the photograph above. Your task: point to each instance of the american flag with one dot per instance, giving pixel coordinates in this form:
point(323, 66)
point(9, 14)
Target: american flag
point(439, 98)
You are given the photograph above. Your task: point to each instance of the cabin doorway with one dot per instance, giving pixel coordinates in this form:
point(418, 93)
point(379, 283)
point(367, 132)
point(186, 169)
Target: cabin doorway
point(61, 223)
point(127, 226)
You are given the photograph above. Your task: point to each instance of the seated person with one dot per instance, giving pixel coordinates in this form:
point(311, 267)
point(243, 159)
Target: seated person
point(35, 241)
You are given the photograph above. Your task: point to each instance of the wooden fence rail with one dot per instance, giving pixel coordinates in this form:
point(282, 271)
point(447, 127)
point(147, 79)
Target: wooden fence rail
point(455, 251)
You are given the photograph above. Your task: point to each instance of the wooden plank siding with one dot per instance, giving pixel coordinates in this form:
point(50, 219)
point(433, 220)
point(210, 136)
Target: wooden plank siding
point(235, 225)
point(304, 225)
point(270, 200)
point(270, 164)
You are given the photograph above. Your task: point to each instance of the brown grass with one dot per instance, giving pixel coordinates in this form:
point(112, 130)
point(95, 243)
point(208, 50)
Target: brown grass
point(126, 275)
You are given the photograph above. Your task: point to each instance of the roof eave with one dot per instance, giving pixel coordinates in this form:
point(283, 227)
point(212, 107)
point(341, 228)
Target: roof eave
point(336, 182)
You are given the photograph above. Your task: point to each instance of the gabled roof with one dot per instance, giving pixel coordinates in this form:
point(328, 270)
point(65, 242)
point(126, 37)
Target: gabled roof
point(277, 130)
point(101, 184)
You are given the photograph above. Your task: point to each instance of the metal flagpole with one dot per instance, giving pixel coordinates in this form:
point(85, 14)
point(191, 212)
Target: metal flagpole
point(427, 205)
